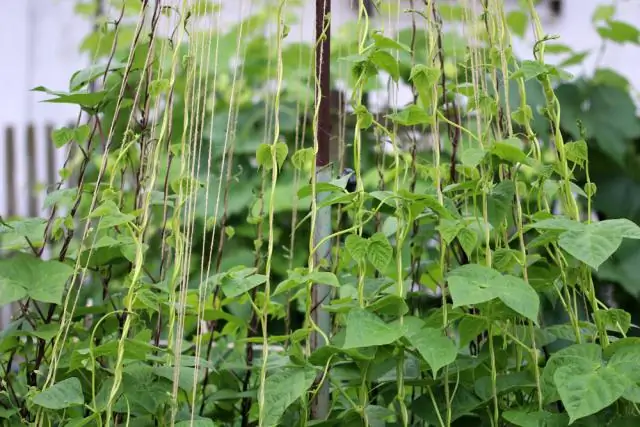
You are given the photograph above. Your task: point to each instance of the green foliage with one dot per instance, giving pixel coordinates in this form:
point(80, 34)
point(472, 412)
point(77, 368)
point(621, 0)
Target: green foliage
point(182, 286)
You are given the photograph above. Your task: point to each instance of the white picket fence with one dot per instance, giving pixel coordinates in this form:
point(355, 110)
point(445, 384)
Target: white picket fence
point(39, 40)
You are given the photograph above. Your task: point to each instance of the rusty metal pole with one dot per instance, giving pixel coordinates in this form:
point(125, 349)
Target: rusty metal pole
point(320, 292)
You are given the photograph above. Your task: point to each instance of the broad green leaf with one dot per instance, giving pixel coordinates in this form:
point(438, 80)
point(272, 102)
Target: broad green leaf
point(264, 156)
point(411, 116)
point(282, 150)
point(509, 150)
point(625, 361)
point(186, 375)
point(81, 422)
point(522, 380)
point(522, 418)
point(110, 215)
point(282, 388)
point(614, 319)
point(619, 227)
point(603, 12)
point(61, 395)
point(357, 247)
point(234, 285)
point(159, 87)
point(424, 79)
point(383, 42)
point(449, 229)
point(529, 70)
point(474, 284)
point(517, 21)
point(196, 423)
point(384, 60)
point(577, 152)
point(436, 348)
point(468, 240)
point(62, 136)
point(585, 389)
point(470, 328)
point(472, 157)
point(620, 32)
point(558, 224)
point(592, 245)
point(324, 278)
point(519, 296)
point(27, 276)
point(303, 158)
point(610, 118)
point(81, 78)
point(84, 99)
point(365, 118)
point(379, 251)
point(365, 329)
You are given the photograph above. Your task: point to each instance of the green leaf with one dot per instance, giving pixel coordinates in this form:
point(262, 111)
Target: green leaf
point(577, 152)
point(84, 99)
point(357, 247)
point(263, 156)
point(558, 224)
point(522, 418)
point(609, 118)
point(159, 87)
point(522, 381)
point(530, 70)
point(282, 150)
point(365, 118)
point(620, 32)
point(510, 150)
point(303, 158)
point(379, 251)
point(474, 284)
point(625, 362)
point(517, 22)
point(383, 42)
point(387, 62)
point(424, 79)
point(614, 319)
point(468, 240)
point(196, 423)
point(110, 215)
point(61, 395)
point(283, 388)
point(27, 276)
point(323, 277)
point(603, 12)
point(186, 375)
point(411, 116)
point(449, 229)
point(83, 77)
point(621, 227)
point(62, 136)
point(237, 283)
point(437, 349)
point(591, 245)
point(472, 157)
point(587, 389)
point(365, 329)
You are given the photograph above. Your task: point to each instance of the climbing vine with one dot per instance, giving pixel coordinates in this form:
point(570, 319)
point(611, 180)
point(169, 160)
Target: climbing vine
point(173, 280)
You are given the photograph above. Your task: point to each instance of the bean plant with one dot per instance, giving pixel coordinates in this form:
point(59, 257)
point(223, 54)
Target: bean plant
point(172, 280)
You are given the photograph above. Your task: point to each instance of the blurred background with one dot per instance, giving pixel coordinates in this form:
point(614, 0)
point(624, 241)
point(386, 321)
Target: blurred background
point(44, 43)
